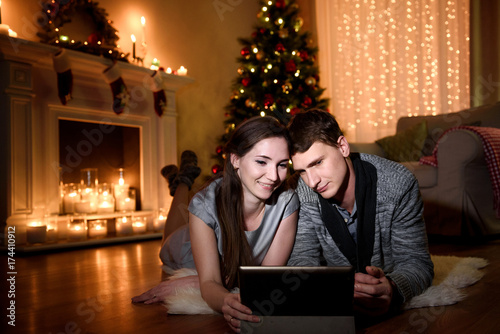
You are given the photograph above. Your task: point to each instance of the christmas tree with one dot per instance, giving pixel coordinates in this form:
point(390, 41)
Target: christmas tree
point(277, 76)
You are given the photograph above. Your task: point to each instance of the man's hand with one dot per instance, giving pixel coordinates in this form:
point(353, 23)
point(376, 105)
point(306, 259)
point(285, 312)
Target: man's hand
point(372, 292)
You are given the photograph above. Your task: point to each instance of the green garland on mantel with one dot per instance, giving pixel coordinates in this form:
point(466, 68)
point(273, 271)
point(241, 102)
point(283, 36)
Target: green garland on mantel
point(102, 42)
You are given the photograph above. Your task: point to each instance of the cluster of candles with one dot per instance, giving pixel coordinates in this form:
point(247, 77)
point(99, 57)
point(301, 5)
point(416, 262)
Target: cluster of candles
point(79, 227)
point(92, 197)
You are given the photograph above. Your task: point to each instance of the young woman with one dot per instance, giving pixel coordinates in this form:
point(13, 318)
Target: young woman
point(246, 217)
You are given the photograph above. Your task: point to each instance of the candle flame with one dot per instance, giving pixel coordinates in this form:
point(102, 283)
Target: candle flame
point(133, 38)
point(143, 20)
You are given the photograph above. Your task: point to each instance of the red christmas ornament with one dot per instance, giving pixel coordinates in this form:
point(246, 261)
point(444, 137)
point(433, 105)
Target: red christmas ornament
point(246, 81)
point(290, 66)
point(216, 169)
point(219, 149)
point(245, 52)
point(304, 55)
point(294, 110)
point(307, 102)
point(280, 47)
point(262, 31)
point(280, 4)
point(268, 100)
point(94, 38)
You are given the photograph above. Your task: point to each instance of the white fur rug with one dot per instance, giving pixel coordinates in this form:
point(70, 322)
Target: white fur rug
point(186, 300)
point(451, 274)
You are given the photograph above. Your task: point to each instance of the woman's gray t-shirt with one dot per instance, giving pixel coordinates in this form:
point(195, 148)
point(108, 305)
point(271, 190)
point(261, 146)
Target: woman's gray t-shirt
point(176, 252)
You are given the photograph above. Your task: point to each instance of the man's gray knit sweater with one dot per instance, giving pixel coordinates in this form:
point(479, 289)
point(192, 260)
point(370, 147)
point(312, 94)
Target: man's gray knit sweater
point(400, 246)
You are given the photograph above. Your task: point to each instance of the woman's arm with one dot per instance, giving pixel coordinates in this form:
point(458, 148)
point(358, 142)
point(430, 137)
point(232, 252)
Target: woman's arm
point(282, 244)
point(206, 259)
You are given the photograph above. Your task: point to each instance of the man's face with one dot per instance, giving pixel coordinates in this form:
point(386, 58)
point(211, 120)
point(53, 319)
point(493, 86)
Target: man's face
point(324, 168)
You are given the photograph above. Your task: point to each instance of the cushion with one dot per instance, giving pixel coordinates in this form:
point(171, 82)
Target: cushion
point(405, 145)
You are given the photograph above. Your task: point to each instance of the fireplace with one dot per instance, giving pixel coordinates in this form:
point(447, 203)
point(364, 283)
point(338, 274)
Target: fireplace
point(33, 121)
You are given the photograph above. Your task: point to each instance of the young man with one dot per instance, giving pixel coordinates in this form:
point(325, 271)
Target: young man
point(360, 210)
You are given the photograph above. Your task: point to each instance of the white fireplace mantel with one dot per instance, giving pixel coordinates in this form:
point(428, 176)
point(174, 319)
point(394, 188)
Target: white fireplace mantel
point(30, 110)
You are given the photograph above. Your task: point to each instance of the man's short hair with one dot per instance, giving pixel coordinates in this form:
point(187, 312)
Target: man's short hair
point(308, 127)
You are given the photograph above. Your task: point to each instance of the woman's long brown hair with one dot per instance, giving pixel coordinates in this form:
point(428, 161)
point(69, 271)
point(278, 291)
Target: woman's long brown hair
point(235, 250)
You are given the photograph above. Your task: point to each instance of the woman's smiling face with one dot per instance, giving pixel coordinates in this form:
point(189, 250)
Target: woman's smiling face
point(263, 168)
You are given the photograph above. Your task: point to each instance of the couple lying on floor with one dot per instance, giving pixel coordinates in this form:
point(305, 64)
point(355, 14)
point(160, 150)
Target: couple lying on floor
point(355, 209)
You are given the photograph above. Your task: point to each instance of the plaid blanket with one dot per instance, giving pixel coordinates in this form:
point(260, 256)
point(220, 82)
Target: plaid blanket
point(490, 138)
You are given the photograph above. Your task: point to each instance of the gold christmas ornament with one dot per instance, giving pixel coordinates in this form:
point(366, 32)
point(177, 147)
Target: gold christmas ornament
point(310, 81)
point(298, 24)
point(283, 33)
point(287, 87)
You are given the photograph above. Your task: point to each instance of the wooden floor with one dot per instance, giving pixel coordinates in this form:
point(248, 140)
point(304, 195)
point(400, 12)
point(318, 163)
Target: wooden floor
point(89, 291)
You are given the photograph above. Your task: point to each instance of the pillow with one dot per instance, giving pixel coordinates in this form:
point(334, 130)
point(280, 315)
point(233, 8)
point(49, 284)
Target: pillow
point(405, 145)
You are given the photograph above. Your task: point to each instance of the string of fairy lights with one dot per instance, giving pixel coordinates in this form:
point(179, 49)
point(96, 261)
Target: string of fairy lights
point(395, 58)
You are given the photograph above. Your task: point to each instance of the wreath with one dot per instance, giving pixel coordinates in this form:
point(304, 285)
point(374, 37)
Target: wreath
point(101, 42)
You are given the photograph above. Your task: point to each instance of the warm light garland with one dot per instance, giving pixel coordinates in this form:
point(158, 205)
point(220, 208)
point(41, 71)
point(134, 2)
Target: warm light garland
point(382, 60)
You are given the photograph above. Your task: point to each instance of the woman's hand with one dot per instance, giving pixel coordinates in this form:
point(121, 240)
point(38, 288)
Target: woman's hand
point(234, 311)
point(166, 288)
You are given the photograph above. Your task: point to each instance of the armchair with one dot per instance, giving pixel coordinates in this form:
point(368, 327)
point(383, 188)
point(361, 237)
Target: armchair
point(458, 194)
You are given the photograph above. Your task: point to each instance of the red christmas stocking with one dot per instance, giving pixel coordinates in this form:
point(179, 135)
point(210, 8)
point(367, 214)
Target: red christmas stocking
point(160, 99)
point(112, 75)
point(62, 66)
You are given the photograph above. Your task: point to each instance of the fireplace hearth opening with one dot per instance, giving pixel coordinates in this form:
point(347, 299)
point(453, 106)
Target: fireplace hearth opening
point(113, 150)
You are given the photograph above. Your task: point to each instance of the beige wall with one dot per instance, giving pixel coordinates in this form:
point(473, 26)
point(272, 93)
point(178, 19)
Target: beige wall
point(190, 33)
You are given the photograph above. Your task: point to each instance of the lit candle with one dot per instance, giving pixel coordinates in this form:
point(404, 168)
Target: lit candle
point(77, 231)
point(169, 70)
point(125, 204)
point(97, 228)
point(182, 71)
point(123, 226)
point(133, 45)
point(88, 202)
point(52, 230)
point(159, 221)
point(36, 232)
point(4, 28)
point(143, 23)
point(83, 207)
point(106, 204)
point(62, 227)
point(139, 225)
point(155, 64)
point(69, 201)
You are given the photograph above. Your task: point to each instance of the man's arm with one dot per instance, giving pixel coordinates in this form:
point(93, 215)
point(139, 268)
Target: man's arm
point(413, 270)
point(306, 249)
